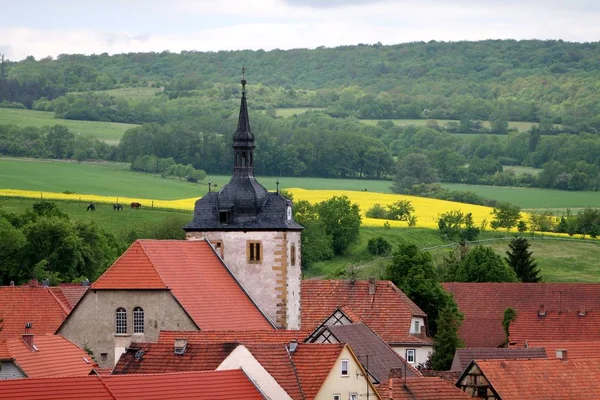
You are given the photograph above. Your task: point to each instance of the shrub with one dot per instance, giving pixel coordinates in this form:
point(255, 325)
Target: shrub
point(378, 246)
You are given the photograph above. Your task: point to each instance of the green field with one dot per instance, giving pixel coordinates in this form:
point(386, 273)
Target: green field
point(521, 126)
point(288, 112)
point(110, 132)
point(533, 198)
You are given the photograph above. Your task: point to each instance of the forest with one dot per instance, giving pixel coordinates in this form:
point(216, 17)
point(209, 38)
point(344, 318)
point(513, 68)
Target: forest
point(191, 115)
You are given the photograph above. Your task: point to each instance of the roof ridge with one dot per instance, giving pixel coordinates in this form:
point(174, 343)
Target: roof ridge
point(106, 387)
point(287, 350)
point(152, 263)
point(60, 303)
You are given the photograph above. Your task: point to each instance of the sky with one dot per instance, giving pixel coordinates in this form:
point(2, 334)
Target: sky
point(43, 28)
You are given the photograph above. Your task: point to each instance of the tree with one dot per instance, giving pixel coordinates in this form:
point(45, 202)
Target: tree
point(413, 169)
point(12, 243)
point(378, 246)
point(341, 220)
point(519, 258)
point(413, 272)
point(506, 216)
point(316, 244)
point(400, 210)
point(509, 316)
point(483, 265)
point(446, 340)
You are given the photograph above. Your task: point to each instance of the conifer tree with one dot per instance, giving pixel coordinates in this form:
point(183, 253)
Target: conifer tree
point(446, 339)
point(519, 258)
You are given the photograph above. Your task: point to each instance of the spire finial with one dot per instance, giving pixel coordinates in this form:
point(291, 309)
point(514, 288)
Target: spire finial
point(243, 79)
point(209, 185)
point(277, 185)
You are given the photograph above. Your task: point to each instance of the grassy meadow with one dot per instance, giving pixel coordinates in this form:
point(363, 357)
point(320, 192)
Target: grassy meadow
point(110, 132)
point(289, 112)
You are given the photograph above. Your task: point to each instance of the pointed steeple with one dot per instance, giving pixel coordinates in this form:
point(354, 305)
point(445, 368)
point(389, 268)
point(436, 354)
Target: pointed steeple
point(243, 136)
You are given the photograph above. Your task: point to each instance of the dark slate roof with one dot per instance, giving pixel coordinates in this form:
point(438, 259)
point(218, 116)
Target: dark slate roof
point(463, 357)
point(381, 357)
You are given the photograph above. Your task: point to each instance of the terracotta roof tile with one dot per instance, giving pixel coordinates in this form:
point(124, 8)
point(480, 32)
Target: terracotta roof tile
point(388, 312)
point(313, 363)
point(483, 305)
point(72, 292)
point(38, 305)
point(195, 275)
point(574, 349)
point(215, 385)
point(160, 358)
point(258, 336)
point(568, 325)
point(420, 388)
point(463, 357)
point(55, 356)
point(4, 352)
point(542, 379)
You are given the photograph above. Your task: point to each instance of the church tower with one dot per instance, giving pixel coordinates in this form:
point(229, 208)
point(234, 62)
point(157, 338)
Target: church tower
point(254, 232)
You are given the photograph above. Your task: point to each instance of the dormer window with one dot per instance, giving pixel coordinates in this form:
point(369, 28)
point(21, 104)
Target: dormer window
point(289, 213)
point(224, 217)
point(417, 327)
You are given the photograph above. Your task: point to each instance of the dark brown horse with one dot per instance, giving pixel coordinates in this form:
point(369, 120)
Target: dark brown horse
point(91, 207)
point(135, 205)
point(117, 207)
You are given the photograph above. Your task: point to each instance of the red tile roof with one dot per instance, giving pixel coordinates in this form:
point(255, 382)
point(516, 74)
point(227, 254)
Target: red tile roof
point(569, 325)
point(55, 356)
point(483, 305)
point(420, 388)
point(259, 336)
point(196, 276)
point(214, 385)
point(72, 292)
point(38, 305)
point(388, 312)
point(543, 378)
point(313, 363)
point(574, 349)
point(463, 357)
point(160, 358)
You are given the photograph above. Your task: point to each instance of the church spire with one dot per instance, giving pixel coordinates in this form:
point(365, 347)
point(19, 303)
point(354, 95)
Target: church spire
point(243, 139)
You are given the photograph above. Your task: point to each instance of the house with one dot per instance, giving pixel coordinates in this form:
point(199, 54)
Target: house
point(36, 309)
point(376, 357)
point(463, 357)
point(160, 284)
point(555, 349)
point(532, 379)
point(379, 304)
point(213, 385)
point(254, 232)
point(282, 371)
point(42, 356)
point(483, 306)
point(397, 387)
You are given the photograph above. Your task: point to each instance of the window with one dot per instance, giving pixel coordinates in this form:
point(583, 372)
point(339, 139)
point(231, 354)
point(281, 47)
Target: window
point(417, 328)
point(138, 320)
point(344, 367)
point(337, 397)
point(353, 396)
point(103, 357)
point(293, 254)
point(254, 252)
point(121, 320)
point(219, 247)
point(410, 356)
point(224, 217)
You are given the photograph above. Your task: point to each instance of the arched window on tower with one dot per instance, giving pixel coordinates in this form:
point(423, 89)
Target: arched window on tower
point(244, 159)
point(120, 321)
point(138, 320)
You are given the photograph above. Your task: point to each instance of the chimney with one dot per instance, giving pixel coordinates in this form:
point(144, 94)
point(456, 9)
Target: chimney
point(542, 311)
point(45, 283)
point(561, 354)
point(372, 286)
point(180, 346)
point(582, 311)
point(293, 345)
point(422, 333)
point(85, 282)
point(28, 339)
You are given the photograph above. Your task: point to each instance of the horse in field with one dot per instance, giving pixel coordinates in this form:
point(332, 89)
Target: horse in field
point(91, 207)
point(135, 205)
point(117, 207)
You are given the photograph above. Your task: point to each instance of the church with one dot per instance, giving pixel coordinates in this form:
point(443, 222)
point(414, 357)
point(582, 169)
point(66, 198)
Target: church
point(238, 269)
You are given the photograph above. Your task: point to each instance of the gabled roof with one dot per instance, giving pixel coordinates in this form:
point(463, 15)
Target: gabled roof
point(313, 363)
point(35, 304)
point(196, 276)
point(54, 356)
point(483, 305)
point(214, 385)
point(541, 379)
point(159, 358)
point(71, 292)
point(255, 336)
point(463, 357)
point(388, 311)
point(372, 352)
point(420, 388)
point(574, 349)
point(567, 325)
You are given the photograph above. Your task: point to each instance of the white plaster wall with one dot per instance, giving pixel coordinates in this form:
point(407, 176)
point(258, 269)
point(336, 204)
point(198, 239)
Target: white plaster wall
point(355, 382)
point(242, 358)
point(261, 280)
point(421, 353)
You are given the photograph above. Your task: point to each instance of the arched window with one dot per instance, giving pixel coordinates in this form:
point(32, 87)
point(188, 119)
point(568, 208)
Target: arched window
point(121, 320)
point(138, 320)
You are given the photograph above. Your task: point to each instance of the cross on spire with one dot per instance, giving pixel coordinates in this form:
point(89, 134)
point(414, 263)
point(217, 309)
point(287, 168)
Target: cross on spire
point(243, 79)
